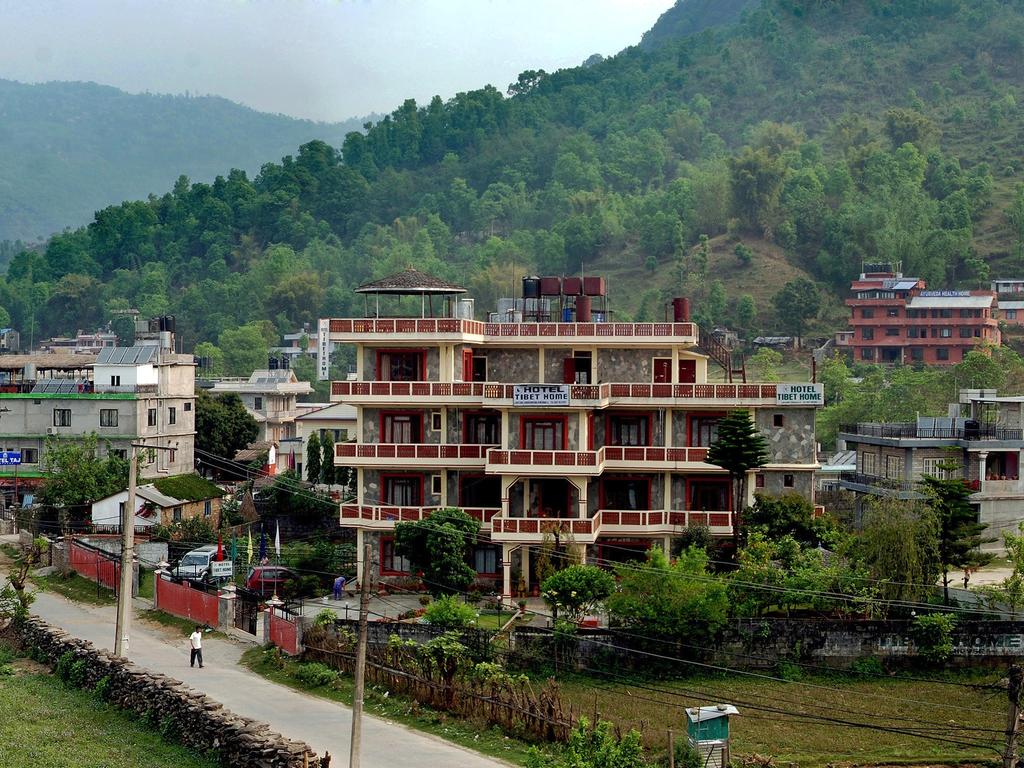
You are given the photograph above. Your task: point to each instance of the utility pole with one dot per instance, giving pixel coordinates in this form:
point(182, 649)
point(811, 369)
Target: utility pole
point(124, 594)
point(357, 695)
point(1013, 691)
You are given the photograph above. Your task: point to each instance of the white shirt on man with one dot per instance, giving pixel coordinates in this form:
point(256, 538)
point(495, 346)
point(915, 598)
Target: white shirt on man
point(196, 640)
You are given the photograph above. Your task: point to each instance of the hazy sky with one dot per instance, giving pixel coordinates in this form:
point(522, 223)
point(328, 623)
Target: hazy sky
point(321, 59)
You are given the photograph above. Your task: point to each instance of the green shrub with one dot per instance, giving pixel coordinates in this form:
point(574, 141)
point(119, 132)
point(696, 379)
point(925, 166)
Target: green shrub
point(449, 613)
point(788, 671)
point(315, 674)
point(868, 666)
point(102, 688)
point(933, 636)
point(325, 619)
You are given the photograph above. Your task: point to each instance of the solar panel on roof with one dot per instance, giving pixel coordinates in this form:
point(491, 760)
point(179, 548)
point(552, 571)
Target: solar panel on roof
point(904, 285)
point(140, 354)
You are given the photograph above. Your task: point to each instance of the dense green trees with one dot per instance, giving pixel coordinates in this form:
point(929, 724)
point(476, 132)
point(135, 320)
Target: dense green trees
point(626, 162)
point(738, 448)
point(438, 547)
point(77, 474)
point(223, 426)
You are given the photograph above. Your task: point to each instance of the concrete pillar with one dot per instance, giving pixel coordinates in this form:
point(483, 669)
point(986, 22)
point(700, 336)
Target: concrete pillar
point(667, 436)
point(226, 608)
point(444, 487)
point(360, 565)
point(360, 374)
point(982, 474)
point(524, 560)
point(506, 574)
point(505, 416)
point(359, 486)
point(540, 364)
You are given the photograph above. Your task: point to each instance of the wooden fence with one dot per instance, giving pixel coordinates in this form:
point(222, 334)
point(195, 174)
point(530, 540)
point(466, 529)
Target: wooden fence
point(497, 699)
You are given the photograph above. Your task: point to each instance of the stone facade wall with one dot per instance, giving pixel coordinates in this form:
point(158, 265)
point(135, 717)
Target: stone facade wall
point(199, 722)
point(372, 425)
point(572, 428)
point(792, 443)
point(627, 365)
point(554, 364)
point(515, 366)
point(774, 483)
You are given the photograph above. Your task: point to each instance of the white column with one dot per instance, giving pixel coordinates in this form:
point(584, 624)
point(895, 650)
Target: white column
point(667, 437)
point(524, 566)
point(359, 486)
point(540, 364)
point(359, 363)
point(505, 417)
point(444, 487)
point(982, 474)
point(506, 573)
point(507, 481)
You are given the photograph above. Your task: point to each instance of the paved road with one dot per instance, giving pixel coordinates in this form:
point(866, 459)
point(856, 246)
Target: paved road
point(323, 725)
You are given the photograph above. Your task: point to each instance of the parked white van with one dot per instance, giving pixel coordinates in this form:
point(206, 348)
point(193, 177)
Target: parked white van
point(195, 566)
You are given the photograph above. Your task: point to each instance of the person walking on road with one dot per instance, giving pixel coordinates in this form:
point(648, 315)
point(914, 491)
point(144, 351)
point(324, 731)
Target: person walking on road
point(195, 640)
point(339, 587)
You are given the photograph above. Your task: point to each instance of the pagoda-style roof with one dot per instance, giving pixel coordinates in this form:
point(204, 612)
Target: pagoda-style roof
point(410, 282)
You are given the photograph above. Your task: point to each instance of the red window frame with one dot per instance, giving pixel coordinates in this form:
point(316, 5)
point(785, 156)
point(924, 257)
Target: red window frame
point(386, 541)
point(690, 481)
point(691, 417)
point(570, 511)
point(524, 420)
point(466, 415)
point(602, 498)
point(648, 416)
point(422, 352)
point(387, 413)
point(387, 476)
point(617, 545)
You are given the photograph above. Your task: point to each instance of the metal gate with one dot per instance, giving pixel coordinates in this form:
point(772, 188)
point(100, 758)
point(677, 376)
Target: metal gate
point(247, 610)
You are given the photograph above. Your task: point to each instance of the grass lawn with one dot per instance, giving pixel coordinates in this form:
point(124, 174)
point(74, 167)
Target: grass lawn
point(951, 711)
point(46, 724)
point(75, 587)
point(146, 584)
point(177, 623)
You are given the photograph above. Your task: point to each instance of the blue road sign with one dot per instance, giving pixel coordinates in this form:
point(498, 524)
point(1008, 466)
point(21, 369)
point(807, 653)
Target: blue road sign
point(10, 458)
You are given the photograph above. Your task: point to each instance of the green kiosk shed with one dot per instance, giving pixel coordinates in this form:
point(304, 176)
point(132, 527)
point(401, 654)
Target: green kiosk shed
point(708, 731)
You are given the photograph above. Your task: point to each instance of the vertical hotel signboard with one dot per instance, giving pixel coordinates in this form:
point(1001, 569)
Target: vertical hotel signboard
point(323, 345)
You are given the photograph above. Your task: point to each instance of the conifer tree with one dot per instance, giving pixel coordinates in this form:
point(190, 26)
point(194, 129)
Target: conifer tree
point(313, 458)
point(327, 459)
point(739, 448)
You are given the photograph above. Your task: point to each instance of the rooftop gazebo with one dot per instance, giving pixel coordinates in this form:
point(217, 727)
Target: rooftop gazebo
point(412, 282)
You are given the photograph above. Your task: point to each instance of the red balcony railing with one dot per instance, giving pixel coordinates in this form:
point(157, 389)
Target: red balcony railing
point(425, 326)
point(650, 454)
point(522, 458)
point(586, 526)
point(660, 518)
point(430, 389)
point(385, 513)
point(410, 451)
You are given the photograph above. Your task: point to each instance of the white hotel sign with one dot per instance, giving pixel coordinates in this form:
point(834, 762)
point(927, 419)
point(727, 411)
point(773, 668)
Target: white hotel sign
point(800, 394)
point(540, 394)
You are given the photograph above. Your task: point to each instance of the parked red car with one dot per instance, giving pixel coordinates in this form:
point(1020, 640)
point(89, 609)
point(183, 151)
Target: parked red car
point(268, 580)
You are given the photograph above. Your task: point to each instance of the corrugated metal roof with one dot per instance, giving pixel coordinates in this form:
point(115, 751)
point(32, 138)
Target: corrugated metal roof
point(135, 355)
point(410, 281)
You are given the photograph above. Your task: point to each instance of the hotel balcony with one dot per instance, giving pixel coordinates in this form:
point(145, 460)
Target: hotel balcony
point(384, 517)
point(496, 395)
point(417, 455)
point(534, 530)
point(542, 463)
point(348, 331)
point(586, 530)
point(613, 457)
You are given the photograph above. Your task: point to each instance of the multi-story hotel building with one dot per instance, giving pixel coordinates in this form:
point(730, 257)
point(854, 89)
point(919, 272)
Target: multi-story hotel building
point(596, 430)
point(896, 320)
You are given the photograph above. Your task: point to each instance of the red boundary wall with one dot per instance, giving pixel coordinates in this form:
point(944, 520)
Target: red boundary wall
point(284, 633)
point(94, 566)
point(181, 600)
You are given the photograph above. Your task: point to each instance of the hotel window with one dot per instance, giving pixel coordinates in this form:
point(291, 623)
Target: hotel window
point(941, 353)
point(892, 312)
point(172, 415)
point(1011, 314)
point(403, 491)
point(401, 366)
point(402, 428)
point(778, 420)
point(892, 331)
point(257, 404)
point(934, 468)
point(867, 354)
point(944, 333)
point(788, 481)
point(628, 429)
point(703, 430)
point(917, 354)
point(867, 333)
point(207, 508)
point(868, 463)
point(485, 560)
point(867, 313)
point(630, 493)
point(108, 417)
point(894, 467)
point(187, 407)
point(115, 381)
point(29, 455)
point(390, 562)
point(151, 417)
point(966, 333)
point(482, 429)
point(709, 495)
point(62, 417)
point(759, 480)
point(543, 434)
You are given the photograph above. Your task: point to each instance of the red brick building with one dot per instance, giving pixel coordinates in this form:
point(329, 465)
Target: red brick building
point(896, 319)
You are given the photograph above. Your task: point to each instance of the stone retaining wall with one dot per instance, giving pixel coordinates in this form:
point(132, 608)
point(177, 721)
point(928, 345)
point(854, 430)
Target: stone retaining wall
point(198, 721)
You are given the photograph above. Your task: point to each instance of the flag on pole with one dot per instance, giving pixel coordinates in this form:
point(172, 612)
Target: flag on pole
point(249, 549)
point(220, 548)
point(277, 540)
point(263, 544)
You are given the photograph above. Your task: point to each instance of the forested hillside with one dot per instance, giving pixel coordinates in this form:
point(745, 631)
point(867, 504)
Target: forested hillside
point(794, 143)
point(70, 149)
